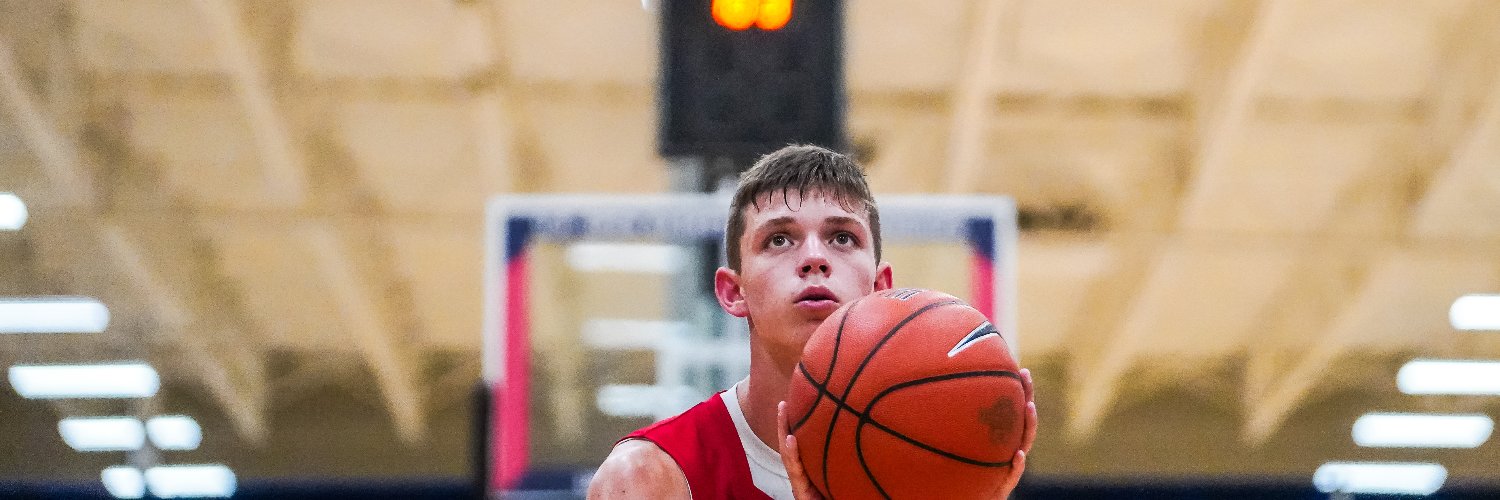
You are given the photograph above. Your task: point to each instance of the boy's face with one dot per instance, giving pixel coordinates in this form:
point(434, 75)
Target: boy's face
point(801, 257)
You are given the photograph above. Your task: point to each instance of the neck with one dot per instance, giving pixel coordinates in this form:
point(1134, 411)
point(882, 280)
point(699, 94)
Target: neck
point(763, 391)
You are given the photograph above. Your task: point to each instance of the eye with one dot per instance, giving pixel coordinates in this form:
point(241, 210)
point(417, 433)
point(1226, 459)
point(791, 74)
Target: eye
point(778, 240)
point(843, 239)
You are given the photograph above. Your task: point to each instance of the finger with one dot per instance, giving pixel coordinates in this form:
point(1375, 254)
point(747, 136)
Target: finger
point(1017, 468)
point(1018, 464)
point(802, 488)
point(1028, 436)
point(789, 456)
point(781, 419)
point(1028, 433)
point(1026, 385)
point(790, 460)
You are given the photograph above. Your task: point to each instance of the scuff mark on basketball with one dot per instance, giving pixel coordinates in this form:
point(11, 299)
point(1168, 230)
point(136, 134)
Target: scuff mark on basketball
point(1000, 418)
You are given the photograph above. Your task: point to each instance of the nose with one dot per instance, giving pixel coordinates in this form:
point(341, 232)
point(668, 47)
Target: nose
point(809, 268)
point(815, 262)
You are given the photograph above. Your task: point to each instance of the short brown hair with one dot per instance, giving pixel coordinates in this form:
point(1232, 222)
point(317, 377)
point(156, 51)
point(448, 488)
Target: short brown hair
point(802, 168)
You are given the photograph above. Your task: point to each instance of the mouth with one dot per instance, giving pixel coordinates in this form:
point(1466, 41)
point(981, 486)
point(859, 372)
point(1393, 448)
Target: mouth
point(817, 297)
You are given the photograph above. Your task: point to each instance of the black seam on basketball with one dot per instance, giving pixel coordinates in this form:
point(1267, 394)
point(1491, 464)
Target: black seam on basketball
point(832, 361)
point(792, 427)
point(822, 388)
point(828, 438)
point(936, 378)
point(838, 337)
point(876, 349)
point(833, 421)
point(864, 418)
point(859, 452)
point(940, 378)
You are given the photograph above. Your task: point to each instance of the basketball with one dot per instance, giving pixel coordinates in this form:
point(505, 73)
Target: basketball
point(907, 393)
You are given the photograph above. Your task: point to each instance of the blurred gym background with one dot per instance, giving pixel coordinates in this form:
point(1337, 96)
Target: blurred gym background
point(1246, 230)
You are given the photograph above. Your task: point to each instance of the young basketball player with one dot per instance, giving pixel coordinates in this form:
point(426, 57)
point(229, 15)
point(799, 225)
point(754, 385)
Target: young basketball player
point(803, 238)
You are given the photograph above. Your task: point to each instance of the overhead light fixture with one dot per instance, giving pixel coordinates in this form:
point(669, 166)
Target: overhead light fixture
point(1412, 430)
point(1453, 377)
point(1475, 312)
point(1385, 478)
point(102, 433)
point(123, 481)
point(626, 257)
point(174, 432)
point(192, 481)
point(12, 212)
point(53, 315)
point(120, 380)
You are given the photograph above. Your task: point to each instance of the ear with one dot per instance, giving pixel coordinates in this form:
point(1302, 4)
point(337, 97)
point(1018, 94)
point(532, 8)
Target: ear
point(883, 277)
point(727, 290)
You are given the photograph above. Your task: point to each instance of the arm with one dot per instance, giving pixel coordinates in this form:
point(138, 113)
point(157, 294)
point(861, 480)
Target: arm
point(638, 469)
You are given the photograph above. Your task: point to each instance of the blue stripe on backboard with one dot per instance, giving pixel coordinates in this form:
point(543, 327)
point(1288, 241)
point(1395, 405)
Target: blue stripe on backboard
point(981, 235)
point(517, 235)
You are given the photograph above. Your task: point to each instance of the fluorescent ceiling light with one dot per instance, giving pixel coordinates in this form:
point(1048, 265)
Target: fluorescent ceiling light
point(53, 315)
point(626, 257)
point(196, 481)
point(1380, 478)
point(1410, 430)
point(123, 380)
point(123, 481)
point(102, 433)
point(174, 432)
point(1458, 377)
point(12, 212)
point(1475, 312)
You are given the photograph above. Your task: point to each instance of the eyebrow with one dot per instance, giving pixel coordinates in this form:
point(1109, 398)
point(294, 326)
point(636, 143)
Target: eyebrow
point(771, 225)
point(837, 220)
point(840, 220)
point(779, 221)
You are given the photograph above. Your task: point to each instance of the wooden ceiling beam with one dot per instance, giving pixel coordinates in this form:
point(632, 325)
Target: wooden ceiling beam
point(973, 95)
point(1336, 300)
point(1473, 146)
point(1319, 299)
point(1465, 75)
point(283, 166)
point(369, 322)
point(499, 122)
point(1225, 107)
point(58, 154)
point(1113, 302)
point(231, 369)
point(1116, 307)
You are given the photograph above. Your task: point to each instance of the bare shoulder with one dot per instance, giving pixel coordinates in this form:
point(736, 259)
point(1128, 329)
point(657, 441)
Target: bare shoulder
point(638, 469)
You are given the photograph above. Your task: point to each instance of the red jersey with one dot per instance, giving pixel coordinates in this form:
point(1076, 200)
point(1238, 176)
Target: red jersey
point(707, 446)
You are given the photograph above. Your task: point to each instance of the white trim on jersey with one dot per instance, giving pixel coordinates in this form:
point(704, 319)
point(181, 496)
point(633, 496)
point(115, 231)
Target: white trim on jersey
point(765, 463)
